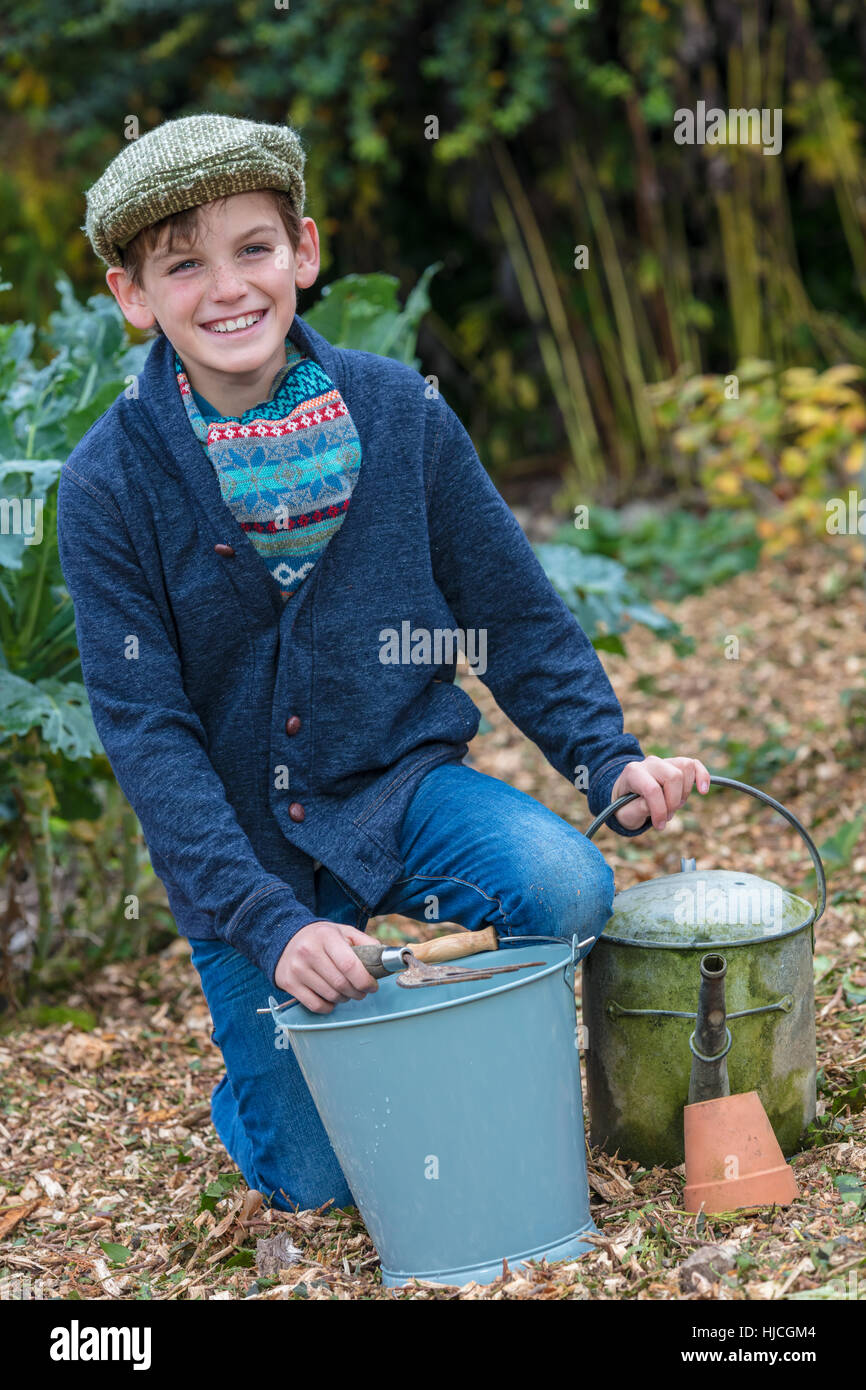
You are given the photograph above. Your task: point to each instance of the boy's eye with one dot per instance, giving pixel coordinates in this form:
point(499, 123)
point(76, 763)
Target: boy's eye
point(180, 265)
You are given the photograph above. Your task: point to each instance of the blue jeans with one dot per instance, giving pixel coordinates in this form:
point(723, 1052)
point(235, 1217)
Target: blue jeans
point(475, 851)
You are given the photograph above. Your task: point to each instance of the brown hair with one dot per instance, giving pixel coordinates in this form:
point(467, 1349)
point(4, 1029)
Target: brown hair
point(183, 227)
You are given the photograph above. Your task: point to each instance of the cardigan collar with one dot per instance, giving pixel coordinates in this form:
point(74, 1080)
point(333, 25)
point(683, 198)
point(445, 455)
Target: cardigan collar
point(166, 412)
point(182, 456)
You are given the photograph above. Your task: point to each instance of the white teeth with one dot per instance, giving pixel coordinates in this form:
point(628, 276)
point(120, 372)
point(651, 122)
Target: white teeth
point(231, 325)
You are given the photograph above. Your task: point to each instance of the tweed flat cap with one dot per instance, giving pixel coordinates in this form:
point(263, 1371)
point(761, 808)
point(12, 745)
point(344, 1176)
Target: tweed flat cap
point(183, 163)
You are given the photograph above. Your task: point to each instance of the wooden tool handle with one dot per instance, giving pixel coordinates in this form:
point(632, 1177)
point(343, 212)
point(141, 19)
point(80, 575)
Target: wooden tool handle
point(464, 943)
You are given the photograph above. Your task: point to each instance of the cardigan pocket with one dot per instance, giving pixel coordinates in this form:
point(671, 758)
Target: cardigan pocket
point(468, 708)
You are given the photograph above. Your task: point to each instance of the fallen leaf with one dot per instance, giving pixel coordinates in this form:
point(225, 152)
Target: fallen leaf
point(706, 1265)
point(107, 1281)
point(274, 1253)
point(85, 1050)
point(10, 1216)
point(50, 1186)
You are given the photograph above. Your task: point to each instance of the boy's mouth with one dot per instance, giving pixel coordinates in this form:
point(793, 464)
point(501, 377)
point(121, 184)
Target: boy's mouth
point(241, 326)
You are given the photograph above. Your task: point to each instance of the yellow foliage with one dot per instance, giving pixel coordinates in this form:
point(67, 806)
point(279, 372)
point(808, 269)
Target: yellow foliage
point(834, 395)
point(805, 413)
point(798, 432)
point(85, 830)
point(793, 463)
point(842, 373)
point(758, 468)
point(30, 88)
point(728, 484)
point(525, 391)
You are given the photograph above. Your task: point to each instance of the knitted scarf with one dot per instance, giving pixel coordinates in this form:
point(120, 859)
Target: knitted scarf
point(287, 467)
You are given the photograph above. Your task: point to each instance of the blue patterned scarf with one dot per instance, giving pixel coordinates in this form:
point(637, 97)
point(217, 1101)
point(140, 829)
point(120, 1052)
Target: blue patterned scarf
point(287, 467)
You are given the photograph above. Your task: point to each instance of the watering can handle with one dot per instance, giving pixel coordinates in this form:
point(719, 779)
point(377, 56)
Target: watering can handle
point(761, 796)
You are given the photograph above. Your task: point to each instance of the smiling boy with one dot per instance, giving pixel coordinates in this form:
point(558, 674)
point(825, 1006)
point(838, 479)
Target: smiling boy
point(238, 532)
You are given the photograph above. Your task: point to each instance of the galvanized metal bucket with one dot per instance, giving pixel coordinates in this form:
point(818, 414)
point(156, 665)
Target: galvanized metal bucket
point(640, 986)
point(456, 1115)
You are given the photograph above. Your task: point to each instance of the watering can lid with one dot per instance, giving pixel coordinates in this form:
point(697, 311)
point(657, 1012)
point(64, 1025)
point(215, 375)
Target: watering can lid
point(706, 907)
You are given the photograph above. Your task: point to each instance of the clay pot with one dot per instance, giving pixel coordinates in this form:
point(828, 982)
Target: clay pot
point(733, 1158)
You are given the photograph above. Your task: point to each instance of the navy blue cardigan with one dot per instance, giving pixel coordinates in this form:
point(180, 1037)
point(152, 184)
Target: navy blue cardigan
point(252, 738)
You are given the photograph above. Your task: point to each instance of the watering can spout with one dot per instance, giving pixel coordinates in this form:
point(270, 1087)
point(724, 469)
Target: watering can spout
point(711, 1040)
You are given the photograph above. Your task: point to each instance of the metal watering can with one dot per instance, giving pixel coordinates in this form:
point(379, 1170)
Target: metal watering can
point(640, 984)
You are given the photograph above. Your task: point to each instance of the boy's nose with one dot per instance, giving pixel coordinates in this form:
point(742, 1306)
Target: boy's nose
point(227, 281)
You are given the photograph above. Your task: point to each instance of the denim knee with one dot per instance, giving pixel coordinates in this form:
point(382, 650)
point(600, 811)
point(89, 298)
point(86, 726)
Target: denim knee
point(564, 889)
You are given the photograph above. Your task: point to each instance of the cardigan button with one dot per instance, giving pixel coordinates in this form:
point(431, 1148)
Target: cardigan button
point(296, 811)
point(293, 724)
point(227, 550)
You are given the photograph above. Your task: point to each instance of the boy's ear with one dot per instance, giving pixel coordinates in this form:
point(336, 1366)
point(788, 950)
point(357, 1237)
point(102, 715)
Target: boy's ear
point(132, 300)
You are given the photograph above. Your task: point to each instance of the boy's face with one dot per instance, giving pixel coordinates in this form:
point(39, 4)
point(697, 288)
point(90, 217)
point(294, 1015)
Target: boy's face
point(240, 263)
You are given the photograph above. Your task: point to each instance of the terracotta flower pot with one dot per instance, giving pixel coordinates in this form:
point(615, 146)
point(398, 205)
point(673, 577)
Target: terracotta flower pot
point(732, 1156)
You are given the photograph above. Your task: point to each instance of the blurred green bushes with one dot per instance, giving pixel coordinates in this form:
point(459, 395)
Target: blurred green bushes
point(528, 144)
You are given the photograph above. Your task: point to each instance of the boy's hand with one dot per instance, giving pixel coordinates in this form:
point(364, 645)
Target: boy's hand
point(320, 968)
point(663, 785)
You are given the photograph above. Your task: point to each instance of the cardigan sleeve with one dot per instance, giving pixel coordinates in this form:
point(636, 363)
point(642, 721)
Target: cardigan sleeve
point(542, 668)
point(154, 739)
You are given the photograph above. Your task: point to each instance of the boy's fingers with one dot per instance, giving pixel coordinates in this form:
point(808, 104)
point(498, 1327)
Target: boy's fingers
point(310, 1000)
point(644, 783)
point(334, 976)
point(688, 771)
point(696, 775)
point(352, 933)
point(326, 983)
point(352, 974)
point(664, 785)
point(666, 771)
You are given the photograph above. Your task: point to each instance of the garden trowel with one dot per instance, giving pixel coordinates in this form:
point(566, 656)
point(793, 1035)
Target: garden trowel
point(416, 966)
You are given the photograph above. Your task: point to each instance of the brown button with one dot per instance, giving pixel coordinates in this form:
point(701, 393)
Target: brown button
point(296, 811)
point(227, 550)
point(293, 724)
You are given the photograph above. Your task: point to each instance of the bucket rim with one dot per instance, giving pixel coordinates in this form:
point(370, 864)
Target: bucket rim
point(507, 984)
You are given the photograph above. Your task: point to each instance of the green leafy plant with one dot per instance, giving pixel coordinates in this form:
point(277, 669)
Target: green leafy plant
point(837, 849)
point(851, 1097)
point(756, 765)
point(598, 592)
point(850, 1188)
point(363, 312)
point(669, 554)
point(46, 726)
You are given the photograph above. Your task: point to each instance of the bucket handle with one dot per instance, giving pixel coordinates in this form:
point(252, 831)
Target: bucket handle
point(576, 945)
point(273, 1006)
point(761, 796)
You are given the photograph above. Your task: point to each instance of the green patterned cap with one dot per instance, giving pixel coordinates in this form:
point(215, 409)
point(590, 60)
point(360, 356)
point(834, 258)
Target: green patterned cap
point(184, 163)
